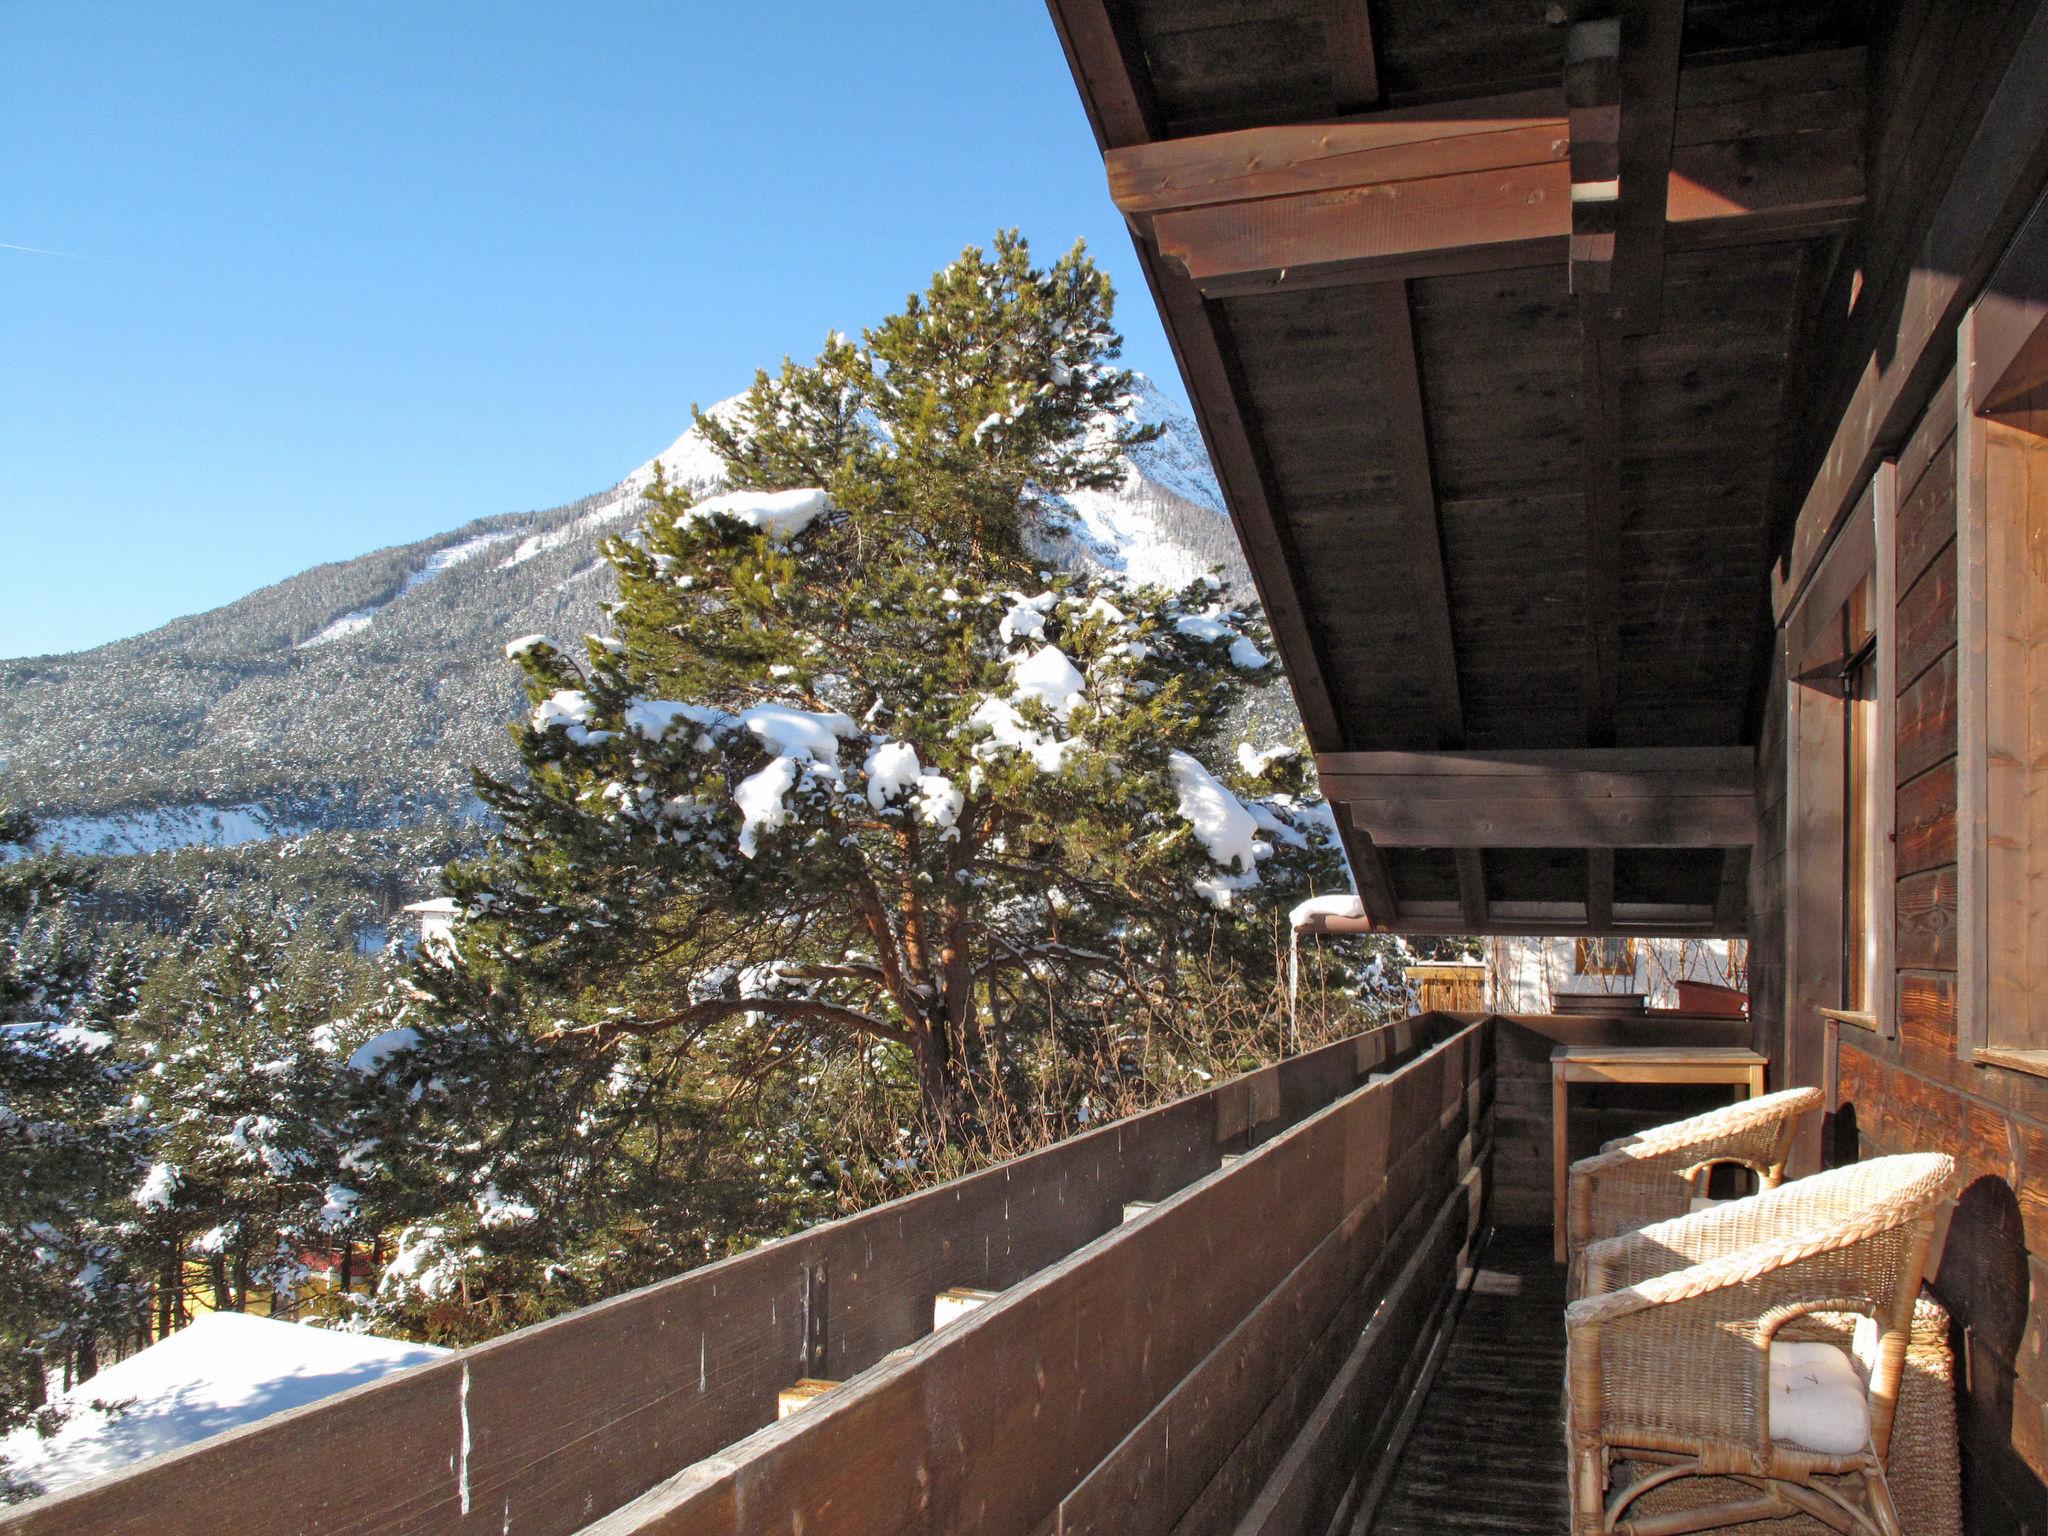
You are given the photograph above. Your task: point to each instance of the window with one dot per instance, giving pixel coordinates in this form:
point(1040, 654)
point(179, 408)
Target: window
point(1605, 957)
point(2002, 687)
point(1840, 811)
point(1858, 730)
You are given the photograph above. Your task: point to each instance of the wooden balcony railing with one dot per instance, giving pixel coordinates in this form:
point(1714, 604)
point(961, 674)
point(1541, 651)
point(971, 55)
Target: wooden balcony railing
point(1238, 1351)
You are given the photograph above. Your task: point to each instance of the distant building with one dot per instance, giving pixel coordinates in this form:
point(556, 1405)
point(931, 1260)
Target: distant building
point(429, 922)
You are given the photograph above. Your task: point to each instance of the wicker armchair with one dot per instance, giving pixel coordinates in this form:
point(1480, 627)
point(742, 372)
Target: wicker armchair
point(1635, 1180)
point(1671, 1366)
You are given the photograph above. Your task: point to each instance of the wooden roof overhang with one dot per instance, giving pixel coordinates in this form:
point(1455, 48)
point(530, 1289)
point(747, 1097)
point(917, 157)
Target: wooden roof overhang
point(1494, 323)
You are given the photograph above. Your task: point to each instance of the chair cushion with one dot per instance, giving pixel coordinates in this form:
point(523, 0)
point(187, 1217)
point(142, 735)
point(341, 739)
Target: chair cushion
point(1818, 1401)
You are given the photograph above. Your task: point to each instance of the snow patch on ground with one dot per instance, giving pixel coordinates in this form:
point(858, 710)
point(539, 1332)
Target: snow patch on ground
point(442, 560)
point(554, 538)
point(225, 1370)
point(159, 830)
point(348, 624)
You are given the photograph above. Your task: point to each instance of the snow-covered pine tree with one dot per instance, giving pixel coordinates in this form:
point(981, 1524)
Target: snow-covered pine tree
point(68, 1144)
point(246, 1099)
point(855, 772)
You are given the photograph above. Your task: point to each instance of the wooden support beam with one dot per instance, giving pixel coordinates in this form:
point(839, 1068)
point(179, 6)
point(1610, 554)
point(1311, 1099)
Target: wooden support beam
point(1592, 96)
point(1101, 44)
point(1599, 889)
point(1102, 51)
point(1619, 798)
point(1354, 62)
point(1472, 888)
point(2012, 327)
point(1368, 871)
point(1731, 905)
point(1600, 386)
point(1467, 185)
point(1695, 770)
point(1995, 186)
point(1564, 919)
point(1400, 391)
point(1645, 36)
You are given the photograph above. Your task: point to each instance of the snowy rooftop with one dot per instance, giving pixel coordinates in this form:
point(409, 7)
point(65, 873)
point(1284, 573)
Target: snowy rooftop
point(224, 1371)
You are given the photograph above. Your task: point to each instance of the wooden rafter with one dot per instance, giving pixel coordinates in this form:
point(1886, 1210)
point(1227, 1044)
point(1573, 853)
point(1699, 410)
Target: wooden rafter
point(1652, 31)
point(1487, 183)
point(1400, 390)
point(1614, 798)
point(1600, 386)
point(1354, 62)
point(1102, 51)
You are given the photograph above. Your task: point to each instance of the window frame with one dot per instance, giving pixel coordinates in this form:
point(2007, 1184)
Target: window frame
point(1820, 646)
point(1988, 713)
point(1585, 951)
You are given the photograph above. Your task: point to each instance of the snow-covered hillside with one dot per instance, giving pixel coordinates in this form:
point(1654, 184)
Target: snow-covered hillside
point(361, 693)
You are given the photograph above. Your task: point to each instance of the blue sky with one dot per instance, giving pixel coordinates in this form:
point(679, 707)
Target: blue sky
point(342, 276)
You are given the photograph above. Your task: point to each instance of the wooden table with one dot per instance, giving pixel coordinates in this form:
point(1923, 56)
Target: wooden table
point(1733, 1064)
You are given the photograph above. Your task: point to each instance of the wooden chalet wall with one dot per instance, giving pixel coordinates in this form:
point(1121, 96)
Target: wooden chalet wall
point(546, 1429)
point(1959, 153)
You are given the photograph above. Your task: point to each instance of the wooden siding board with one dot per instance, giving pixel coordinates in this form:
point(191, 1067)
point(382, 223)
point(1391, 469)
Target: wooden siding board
point(1927, 719)
point(1927, 820)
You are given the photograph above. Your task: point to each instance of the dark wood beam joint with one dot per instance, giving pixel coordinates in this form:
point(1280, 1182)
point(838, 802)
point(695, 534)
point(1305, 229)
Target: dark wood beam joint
point(1599, 889)
point(1488, 183)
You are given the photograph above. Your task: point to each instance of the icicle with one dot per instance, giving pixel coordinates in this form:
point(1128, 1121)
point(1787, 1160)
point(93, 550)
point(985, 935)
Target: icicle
point(1293, 985)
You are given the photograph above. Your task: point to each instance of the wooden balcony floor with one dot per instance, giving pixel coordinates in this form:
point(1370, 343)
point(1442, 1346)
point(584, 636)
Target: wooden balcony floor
point(1487, 1454)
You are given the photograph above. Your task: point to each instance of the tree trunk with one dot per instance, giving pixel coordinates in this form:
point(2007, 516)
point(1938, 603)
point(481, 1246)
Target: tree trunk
point(348, 1265)
point(933, 1050)
point(88, 1357)
point(223, 1298)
